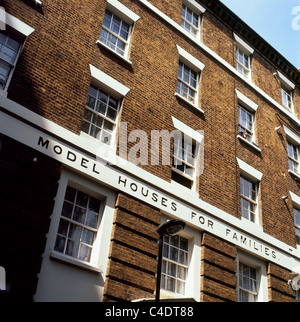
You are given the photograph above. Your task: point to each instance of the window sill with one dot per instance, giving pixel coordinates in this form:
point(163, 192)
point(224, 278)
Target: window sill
point(251, 225)
point(189, 103)
point(290, 110)
point(73, 262)
point(99, 43)
point(182, 190)
point(254, 146)
point(294, 174)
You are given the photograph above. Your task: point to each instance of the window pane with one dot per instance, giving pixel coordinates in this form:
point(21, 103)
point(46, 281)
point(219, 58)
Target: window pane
point(82, 199)
point(60, 244)
point(67, 210)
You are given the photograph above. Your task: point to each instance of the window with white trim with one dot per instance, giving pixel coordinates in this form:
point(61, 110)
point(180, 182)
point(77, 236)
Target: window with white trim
point(186, 154)
point(78, 226)
point(188, 78)
point(243, 56)
point(287, 98)
point(180, 265)
point(248, 191)
point(293, 157)
point(100, 115)
point(115, 33)
point(247, 283)
point(243, 62)
point(175, 264)
point(187, 83)
point(184, 160)
point(251, 279)
point(9, 51)
point(246, 123)
point(190, 20)
point(287, 88)
point(297, 225)
point(116, 28)
point(11, 41)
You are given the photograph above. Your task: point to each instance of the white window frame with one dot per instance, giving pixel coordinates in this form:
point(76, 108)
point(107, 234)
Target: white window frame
point(197, 9)
point(196, 66)
point(22, 30)
point(126, 15)
point(113, 87)
point(185, 140)
point(245, 103)
point(287, 88)
point(261, 275)
point(255, 176)
point(246, 132)
point(294, 139)
point(192, 286)
point(246, 51)
point(190, 134)
point(10, 65)
point(296, 205)
point(250, 200)
point(293, 158)
point(99, 254)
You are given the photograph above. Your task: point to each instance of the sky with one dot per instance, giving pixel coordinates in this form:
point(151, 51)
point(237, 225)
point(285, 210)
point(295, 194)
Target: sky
point(277, 21)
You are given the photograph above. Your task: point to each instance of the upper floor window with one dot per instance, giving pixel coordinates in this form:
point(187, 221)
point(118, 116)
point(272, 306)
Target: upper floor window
point(243, 62)
point(190, 17)
point(287, 98)
point(102, 106)
point(287, 88)
point(187, 154)
point(184, 159)
point(117, 27)
point(190, 20)
point(248, 199)
point(297, 225)
point(9, 50)
point(293, 156)
point(100, 115)
point(243, 57)
point(249, 190)
point(246, 123)
point(11, 40)
point(115, 33)
point(188, 77)
point(187, 83)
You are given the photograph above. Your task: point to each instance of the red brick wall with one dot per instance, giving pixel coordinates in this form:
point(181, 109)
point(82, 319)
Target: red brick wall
point(52, 78)
point(132, 259)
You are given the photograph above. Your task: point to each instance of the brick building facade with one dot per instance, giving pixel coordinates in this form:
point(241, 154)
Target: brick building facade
point(85, 86)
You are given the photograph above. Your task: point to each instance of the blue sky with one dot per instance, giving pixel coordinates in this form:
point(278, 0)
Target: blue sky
point(277, 21)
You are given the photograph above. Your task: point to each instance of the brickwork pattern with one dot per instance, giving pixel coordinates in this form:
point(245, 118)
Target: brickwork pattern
point(132, 259)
